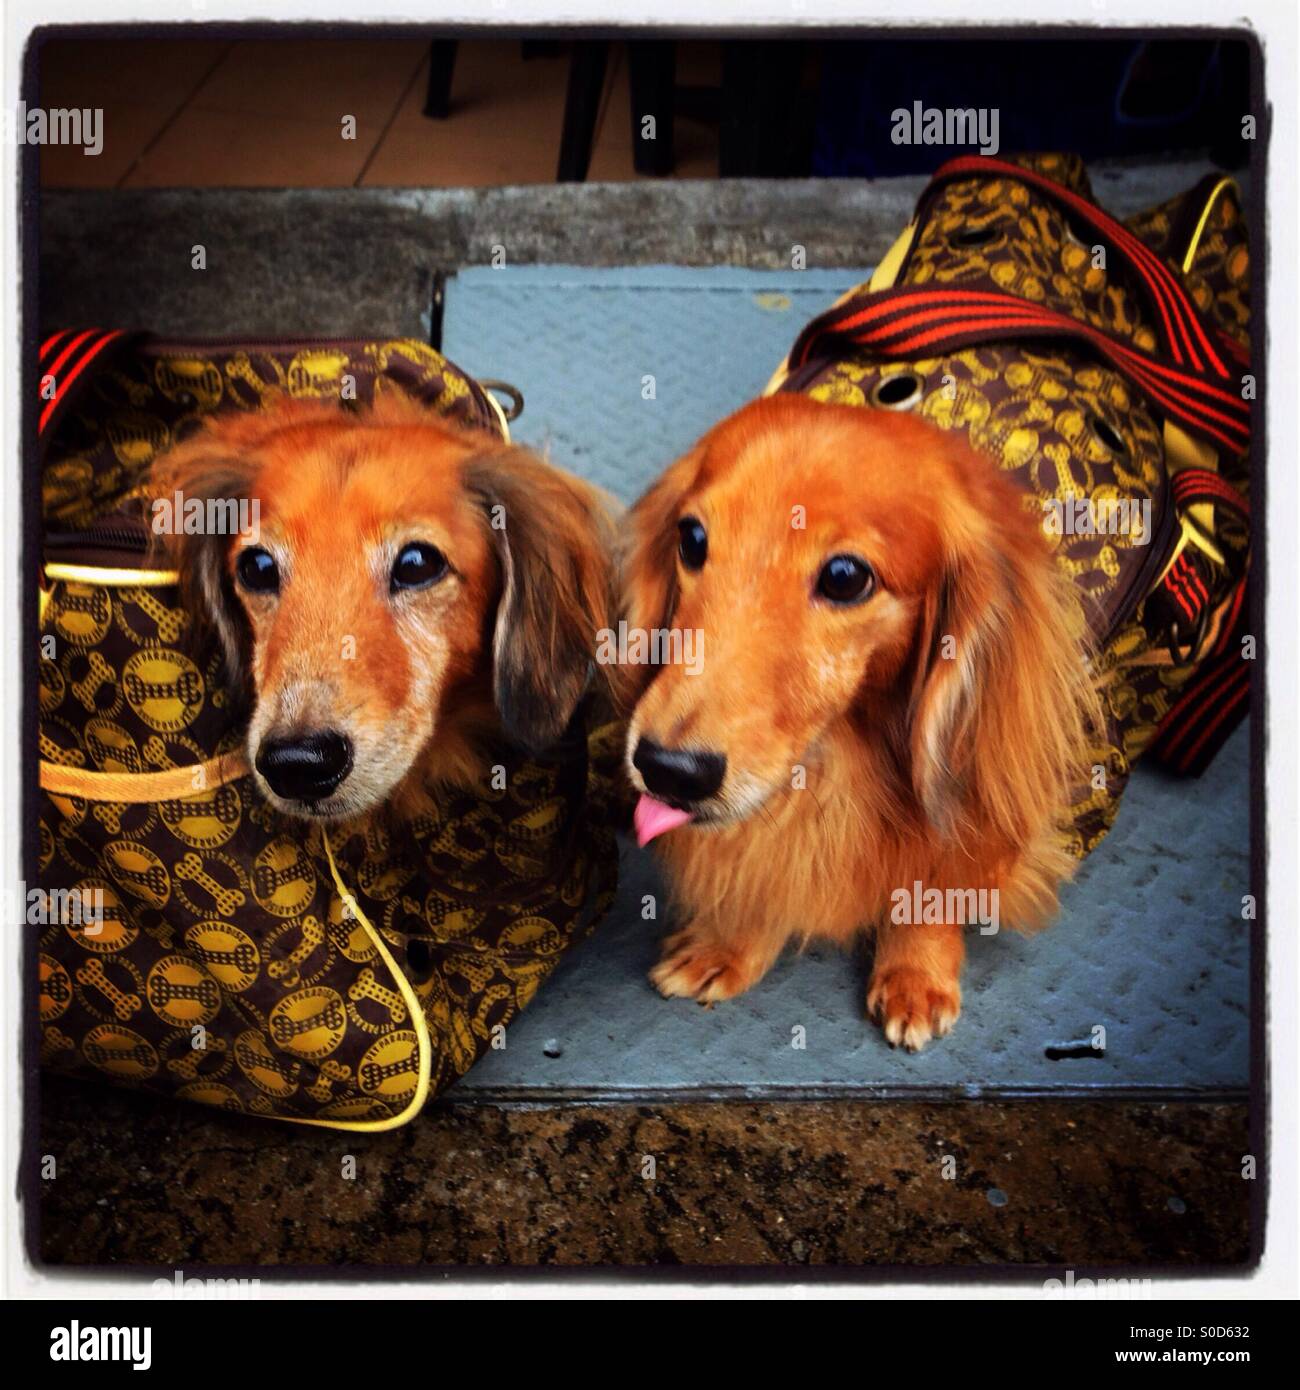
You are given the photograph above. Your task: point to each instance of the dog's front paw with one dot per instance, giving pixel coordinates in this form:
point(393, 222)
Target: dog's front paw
point(913, 1006)
point(693, 967)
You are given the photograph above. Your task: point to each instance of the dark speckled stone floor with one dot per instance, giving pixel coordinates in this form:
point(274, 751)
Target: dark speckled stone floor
point(740, 1184)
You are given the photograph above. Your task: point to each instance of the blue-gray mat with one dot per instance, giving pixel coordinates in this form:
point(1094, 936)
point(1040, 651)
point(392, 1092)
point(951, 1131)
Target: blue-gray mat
point(1150, 945)
point(587, 346)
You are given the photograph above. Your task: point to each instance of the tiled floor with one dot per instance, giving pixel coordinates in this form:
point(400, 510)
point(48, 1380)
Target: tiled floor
point(271, 113)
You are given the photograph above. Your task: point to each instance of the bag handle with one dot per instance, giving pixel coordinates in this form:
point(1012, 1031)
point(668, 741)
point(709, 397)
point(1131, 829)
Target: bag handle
point(63, 359)
point(1213, 702)
point(1193, 587)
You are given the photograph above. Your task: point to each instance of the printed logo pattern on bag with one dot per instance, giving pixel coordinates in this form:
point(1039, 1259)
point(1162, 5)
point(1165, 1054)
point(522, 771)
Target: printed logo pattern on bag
point(227, 969)
point(1064, 425)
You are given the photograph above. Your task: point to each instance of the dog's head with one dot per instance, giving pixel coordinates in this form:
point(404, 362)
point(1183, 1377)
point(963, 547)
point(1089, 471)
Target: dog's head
point(395, 580)
point(850, 568)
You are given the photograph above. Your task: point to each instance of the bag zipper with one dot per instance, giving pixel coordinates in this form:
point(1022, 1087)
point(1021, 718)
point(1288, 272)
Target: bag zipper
point(495, 413)
point(155, 347)
point(120, 534)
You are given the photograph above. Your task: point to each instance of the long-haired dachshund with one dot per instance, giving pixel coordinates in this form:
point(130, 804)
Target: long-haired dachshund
point(892, 694)
point(411, 590)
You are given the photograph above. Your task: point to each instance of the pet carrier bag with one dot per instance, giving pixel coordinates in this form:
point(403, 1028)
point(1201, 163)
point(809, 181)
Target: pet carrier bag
point(244, 959)
point(1104, 367)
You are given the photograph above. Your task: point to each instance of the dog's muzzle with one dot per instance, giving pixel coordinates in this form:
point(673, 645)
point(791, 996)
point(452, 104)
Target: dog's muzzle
point(680, 775)
point(307, 768)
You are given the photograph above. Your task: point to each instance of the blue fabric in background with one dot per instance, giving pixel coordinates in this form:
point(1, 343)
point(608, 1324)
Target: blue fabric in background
point(1096, 98)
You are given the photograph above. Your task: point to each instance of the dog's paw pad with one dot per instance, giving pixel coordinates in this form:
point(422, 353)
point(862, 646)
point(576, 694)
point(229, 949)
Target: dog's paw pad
point(913, 1007)
point(696, 969)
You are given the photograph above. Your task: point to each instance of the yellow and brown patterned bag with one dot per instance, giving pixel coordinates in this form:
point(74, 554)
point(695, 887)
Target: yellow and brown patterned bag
point(1098, 363)
point(243, 959)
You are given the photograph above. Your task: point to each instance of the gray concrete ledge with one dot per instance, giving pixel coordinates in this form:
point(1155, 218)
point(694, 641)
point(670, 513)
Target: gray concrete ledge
point(339, 262)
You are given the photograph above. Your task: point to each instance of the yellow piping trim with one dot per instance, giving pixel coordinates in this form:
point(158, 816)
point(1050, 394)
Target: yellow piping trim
point(117, 578)
point(777, 378)
point(1205, 217)
point(1194, 536)
point(169, 784)
point(1182, 451)
point(886, 273)
point(412, 1003)
point(501, 415)
point(882, 278)
point(100, 574)
point(178, 782)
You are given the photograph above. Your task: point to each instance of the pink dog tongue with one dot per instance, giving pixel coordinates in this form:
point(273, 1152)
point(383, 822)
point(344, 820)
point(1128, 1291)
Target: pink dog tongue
point(652, 818)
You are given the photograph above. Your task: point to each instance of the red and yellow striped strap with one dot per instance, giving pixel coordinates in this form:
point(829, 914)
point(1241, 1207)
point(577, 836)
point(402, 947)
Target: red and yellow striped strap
point(1212, 703)
point(1193, 485)
point(1187, 337)
point(63, 357)
point(909, 321)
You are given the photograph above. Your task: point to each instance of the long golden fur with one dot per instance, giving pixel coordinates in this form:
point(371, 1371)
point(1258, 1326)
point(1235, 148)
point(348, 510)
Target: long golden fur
point(418, 681)
point(929, 733)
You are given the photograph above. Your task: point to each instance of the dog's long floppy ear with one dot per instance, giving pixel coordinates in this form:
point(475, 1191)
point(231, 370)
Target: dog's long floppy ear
point(554, 539)
point(648, 565)
point(213, 464)
point(1001, 701)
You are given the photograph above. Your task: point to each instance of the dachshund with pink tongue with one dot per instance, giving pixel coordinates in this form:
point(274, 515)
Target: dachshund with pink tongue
point(890, 696)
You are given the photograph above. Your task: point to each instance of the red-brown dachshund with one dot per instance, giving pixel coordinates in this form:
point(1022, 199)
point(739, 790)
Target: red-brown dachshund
point(412, 590)
point(892, 694)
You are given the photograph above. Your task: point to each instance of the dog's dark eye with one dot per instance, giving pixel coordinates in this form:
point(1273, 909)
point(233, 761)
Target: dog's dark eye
point(417, 566)
point(845, 579)
point(257, 571)
point(693, 546)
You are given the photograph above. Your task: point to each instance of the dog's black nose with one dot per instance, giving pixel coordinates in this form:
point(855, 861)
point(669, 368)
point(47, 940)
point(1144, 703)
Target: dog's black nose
point(306, 768)
point(678, 774)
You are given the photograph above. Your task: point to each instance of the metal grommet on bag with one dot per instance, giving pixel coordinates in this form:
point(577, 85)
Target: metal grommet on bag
point(967, 237)
point(898, 391)
point(419, 958)
point(1107, 436)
